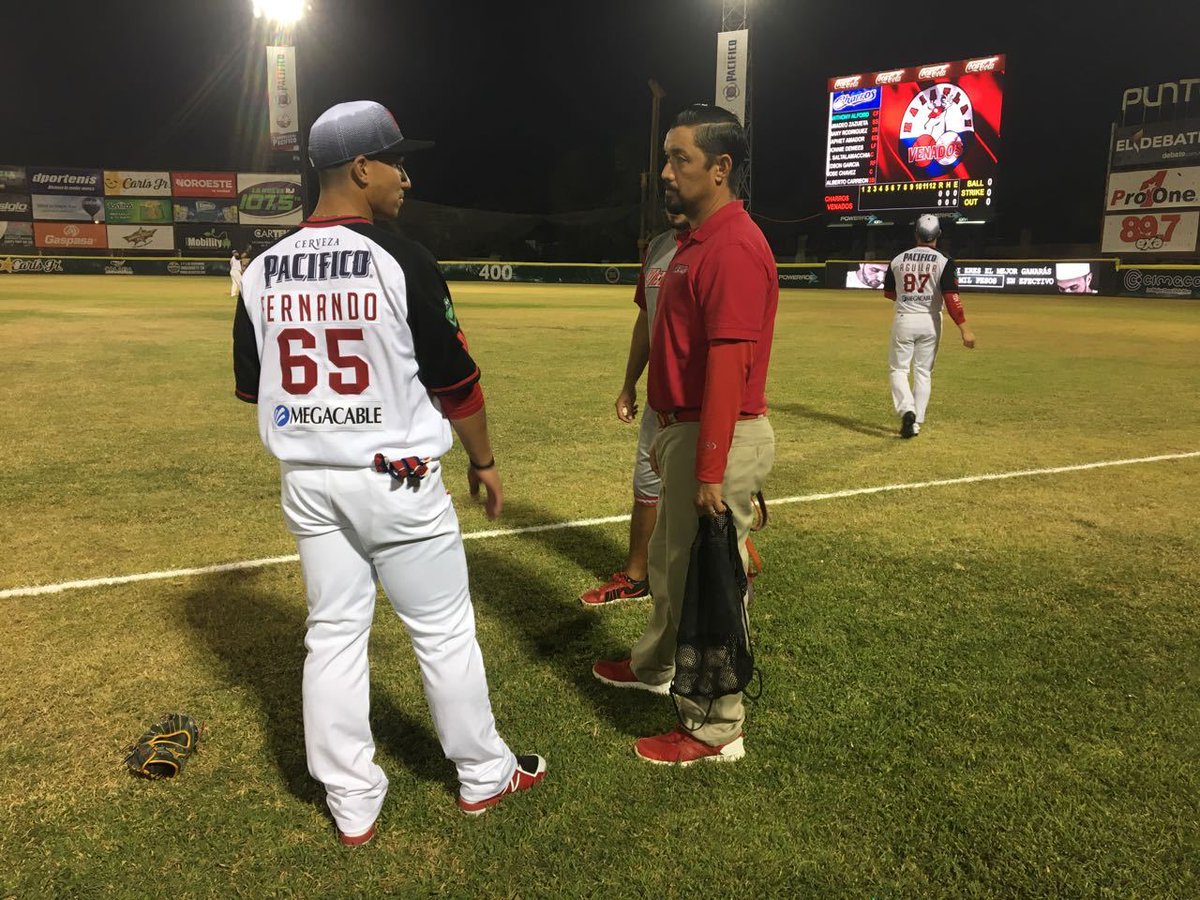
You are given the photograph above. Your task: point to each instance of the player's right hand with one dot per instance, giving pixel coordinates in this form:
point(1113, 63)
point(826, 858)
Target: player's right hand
point(490, 478)
point(627, 405)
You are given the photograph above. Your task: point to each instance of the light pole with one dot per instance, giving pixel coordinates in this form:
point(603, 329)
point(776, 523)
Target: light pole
point(283, 17)
point(651, 193)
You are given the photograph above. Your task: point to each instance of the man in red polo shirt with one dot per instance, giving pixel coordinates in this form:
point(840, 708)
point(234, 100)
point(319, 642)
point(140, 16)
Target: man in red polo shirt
point(708, 370)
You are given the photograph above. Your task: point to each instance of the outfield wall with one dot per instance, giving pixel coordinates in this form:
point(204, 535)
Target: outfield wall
point(1104, 277)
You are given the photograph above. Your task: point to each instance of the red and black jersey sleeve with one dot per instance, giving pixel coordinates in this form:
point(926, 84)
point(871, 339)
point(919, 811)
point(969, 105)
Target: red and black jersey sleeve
point(444, 364)
point(246, 360)
point(949, 281)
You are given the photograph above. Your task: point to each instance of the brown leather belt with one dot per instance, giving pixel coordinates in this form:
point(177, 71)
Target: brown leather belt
point(693, 415)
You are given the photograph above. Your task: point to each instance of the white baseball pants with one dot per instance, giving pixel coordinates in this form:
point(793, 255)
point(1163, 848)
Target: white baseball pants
point(915, 339)
point(352, 525)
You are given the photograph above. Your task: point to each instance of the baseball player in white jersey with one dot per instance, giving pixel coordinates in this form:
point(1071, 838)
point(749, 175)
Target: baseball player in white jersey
point(235, 274)
point(920, 281)
point(346, 338)
point(632, 581)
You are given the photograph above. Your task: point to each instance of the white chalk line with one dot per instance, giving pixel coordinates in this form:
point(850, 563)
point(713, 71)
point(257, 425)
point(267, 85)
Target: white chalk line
point(604, 520)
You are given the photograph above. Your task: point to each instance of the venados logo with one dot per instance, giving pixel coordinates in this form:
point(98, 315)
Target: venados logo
point(855, 98)
point(282, 416)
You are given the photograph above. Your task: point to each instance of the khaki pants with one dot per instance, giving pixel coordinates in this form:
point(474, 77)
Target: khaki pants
point(750, 458)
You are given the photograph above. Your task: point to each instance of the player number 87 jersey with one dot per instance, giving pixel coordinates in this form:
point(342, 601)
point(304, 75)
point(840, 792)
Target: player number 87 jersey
point(919, 278)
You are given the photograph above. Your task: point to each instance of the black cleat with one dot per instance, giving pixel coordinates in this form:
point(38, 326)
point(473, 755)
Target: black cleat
point(908, 424)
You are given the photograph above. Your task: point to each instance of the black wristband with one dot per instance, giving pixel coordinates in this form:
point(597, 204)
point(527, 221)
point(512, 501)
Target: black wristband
point(479, 468)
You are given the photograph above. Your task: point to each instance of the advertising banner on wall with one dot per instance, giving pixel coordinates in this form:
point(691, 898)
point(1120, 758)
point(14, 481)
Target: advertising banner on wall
point(210, 240)
point(15, 208)
point(1152, 232)
point(1161, 281)
point(137, 184)
point(206, 211)
point(282, 105)
point(1149, 189)
point(136, 210)
point(66, 181)
point(733, 53)
point(12, 178)
point(1157, 144)
point(204, 184)
point(270, 199)
point(260, 237)
point(141, 237)
point(67, 208)
point(1010, 277)
point(15, 235)
point(801, 275)
point(79, 265)
point(69, 236)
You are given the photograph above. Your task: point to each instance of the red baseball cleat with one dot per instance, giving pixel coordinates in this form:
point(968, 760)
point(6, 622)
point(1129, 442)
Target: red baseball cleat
point(530, 770)
point(678, 748)
point(618, 588)
point(357, 840)
point(619, 673)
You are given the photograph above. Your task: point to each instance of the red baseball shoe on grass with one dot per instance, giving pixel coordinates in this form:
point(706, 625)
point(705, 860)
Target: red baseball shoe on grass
point(678, 748)
point(618, 673)
point(357, 840)
point(618, 588)
point(530, 770)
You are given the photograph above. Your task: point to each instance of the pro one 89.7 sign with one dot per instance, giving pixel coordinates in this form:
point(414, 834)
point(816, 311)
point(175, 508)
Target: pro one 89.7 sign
point(920, 138)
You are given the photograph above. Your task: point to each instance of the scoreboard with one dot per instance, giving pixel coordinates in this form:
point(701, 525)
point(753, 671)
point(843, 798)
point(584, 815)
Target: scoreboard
point(925, 138)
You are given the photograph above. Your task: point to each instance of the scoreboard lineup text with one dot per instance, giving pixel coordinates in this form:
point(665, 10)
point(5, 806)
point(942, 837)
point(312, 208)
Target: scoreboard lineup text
point(923, 138)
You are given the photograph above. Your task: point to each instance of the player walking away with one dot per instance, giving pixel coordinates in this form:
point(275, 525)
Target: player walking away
point(709, 351)
point(235, 274)
point(632, 581)
point(347, 340)
point(920, 281)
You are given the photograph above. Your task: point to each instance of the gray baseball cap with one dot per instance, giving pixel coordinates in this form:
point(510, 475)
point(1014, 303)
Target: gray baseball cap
point(359, 127)
point(928, 227)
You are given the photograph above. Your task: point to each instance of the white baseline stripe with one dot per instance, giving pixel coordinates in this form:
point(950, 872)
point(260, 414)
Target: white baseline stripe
point(605, 520)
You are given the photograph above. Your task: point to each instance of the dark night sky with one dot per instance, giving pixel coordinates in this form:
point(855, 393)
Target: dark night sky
point(541, 107)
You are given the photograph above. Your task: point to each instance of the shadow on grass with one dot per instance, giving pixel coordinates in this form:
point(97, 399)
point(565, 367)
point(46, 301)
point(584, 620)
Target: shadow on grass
point(555, 627)
point(807, 412)
point(260, 643)
point(595, 549)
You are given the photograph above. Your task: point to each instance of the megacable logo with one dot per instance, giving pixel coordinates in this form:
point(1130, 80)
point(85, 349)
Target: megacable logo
point(890, 77)
point(849, 81)
point(928, 72)
point(983, 65)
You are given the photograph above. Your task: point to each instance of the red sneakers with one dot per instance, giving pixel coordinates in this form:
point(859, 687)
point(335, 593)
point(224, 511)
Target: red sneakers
point(678, 748)
point(618, 673)
point(619, 587)
point(357, 840)
point(530, 770)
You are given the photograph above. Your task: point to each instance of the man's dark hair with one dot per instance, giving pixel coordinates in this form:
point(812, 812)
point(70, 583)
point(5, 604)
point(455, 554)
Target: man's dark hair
point(718, 132)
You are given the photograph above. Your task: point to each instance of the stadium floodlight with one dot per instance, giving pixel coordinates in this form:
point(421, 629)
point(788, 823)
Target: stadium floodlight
point(282, 12)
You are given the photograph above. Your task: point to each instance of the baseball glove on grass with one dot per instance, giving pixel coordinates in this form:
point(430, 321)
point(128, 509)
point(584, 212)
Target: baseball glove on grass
point(165, 747)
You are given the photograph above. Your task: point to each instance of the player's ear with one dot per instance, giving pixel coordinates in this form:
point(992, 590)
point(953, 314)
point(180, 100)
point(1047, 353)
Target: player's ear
point(358, 171)
point(724, 167)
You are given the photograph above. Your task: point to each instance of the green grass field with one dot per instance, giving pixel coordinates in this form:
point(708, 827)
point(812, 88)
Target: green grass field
point(986, 689)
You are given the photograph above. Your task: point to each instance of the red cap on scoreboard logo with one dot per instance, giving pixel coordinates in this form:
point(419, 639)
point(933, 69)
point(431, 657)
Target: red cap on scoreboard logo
point(893, 77)
point(850, 81)
point(938, 71)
